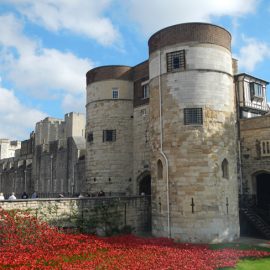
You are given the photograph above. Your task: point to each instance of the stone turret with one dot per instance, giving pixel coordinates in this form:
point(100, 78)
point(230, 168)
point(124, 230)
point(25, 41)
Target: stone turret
point(192, 134)
point(109, 133)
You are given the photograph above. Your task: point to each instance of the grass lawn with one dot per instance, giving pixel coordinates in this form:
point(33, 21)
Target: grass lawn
point(246, 264)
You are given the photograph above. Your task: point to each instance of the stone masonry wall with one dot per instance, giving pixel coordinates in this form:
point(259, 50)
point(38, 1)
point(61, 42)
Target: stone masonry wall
point(132, 211)
point(141, 144)
point(252, 132)
point(203, 203)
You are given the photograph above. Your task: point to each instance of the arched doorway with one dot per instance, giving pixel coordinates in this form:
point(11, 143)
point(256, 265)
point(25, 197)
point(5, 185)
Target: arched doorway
point(145, 183)
point(263, 190)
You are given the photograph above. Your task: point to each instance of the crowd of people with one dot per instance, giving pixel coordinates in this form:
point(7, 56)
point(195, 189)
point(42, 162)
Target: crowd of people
point(34, 195)
point(23, 196)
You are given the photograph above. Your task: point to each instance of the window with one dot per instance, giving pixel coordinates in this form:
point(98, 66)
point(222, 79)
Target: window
point(265, 148)
point(109, 135)
point(256, 91)
point(145, 91)
point(225, 168)
point(90, 137)
point(159, 169)
point(193, 116)
point(176, 61)
point(115, 93)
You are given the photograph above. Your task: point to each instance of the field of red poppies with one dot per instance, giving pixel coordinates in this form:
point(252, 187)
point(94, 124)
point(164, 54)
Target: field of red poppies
point(26, 243)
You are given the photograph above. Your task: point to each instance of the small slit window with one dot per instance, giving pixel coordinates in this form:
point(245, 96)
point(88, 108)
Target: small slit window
point(109, 135)
point(193, 116)
point(159, 169)
point(176, 61)
point(225, 168)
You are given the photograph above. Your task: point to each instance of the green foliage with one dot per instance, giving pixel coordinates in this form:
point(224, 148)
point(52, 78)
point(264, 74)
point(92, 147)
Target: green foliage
point(105, 219)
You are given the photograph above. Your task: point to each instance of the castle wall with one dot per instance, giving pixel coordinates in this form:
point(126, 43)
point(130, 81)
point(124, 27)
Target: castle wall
point(252, 132)
point(49, 129)
point(141, 144)
point(132, 211)
point(8, 148)
point(203, 205)
point(75, 124)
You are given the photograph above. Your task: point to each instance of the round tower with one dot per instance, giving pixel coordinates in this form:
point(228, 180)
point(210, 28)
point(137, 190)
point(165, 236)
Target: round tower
point(192, 134)
point(109, 113)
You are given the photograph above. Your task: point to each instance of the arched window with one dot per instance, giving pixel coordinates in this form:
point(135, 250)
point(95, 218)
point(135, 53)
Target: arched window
point(225, 168)
point(159, 169)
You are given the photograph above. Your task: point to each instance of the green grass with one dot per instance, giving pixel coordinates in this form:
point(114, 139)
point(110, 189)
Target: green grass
point(251, 264)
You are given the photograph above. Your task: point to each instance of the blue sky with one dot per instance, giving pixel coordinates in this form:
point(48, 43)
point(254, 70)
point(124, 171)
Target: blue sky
point(47, 46)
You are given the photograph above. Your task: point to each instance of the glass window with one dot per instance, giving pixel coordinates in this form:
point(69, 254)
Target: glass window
point(256, 90)
point(145, 91)
point(115, 93)
point(109, 135)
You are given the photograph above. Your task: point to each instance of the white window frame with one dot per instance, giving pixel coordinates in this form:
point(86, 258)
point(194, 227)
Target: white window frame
point(265, 148)
point(145, 89)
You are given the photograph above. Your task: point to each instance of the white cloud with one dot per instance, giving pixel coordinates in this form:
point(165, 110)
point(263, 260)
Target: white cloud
point(84, 17)
point(252, 53)
point(17, 120)
point(74, 103)
point(41, 72)
point(153, 15)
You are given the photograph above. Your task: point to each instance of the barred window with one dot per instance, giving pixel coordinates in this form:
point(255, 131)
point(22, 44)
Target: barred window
point(265, 148)
point(176, 61)
point(193, 116)
point(109, 135)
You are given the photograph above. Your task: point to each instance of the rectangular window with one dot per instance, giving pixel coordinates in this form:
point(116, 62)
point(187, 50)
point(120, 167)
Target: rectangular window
point(145, 91)
point(193, 116)
point(265, 148)
point(256, 90)
point(90, 137)
point(109, 135)
point(115, 93)
point(176, 61)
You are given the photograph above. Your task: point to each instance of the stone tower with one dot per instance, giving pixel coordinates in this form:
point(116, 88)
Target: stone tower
point(192, 134)
point(109, 132)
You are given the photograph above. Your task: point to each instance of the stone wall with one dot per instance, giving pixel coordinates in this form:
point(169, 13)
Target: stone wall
point(141, 145)
point(131, 211)
point(252, 132)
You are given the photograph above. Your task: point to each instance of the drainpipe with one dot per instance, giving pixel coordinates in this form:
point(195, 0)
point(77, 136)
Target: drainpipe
point(161, 148)
point(238, 135)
